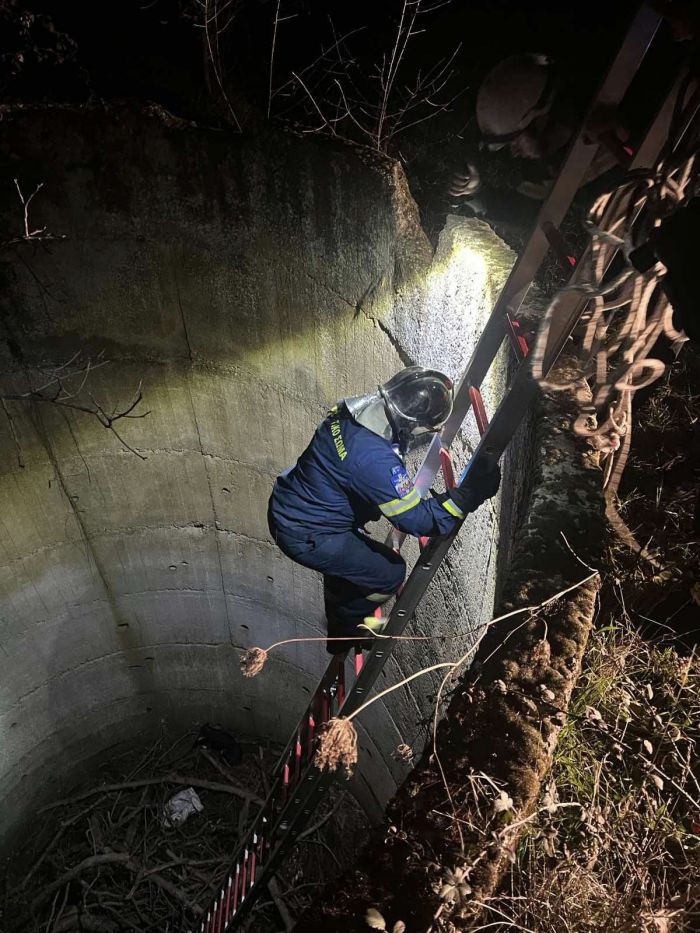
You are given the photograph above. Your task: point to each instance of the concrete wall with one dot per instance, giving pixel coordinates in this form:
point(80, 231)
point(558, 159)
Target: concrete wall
point(245, 284)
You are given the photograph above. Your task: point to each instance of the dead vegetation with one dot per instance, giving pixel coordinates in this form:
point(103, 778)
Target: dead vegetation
point(107, 859)
point(660, 501)
point(616, 843)
point(65, 386)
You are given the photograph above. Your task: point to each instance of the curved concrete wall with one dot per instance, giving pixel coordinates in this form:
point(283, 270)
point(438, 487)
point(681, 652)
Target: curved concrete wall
point(246, 284)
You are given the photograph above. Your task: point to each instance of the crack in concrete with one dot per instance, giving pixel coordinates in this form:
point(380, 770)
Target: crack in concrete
point(323, 285)
point(192, 450)
point(361, 309)
point(393, 340)
point(182, 318)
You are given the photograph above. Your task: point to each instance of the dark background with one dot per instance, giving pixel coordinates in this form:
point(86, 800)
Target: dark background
point(143, 51)
point(156, 50)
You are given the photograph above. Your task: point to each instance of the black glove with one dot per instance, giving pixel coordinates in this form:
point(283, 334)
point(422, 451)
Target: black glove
point(482, 482)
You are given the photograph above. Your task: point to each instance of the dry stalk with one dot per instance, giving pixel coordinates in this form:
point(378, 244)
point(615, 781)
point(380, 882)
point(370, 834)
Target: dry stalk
point(211, 16)
point(253, 659)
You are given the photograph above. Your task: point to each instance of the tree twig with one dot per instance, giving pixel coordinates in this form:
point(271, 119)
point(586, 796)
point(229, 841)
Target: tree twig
point(93, 861)
point(55, 392)
point(276, 895)
point(322, 822)
point(145, 782)
point(215, 62)
point(272, 58)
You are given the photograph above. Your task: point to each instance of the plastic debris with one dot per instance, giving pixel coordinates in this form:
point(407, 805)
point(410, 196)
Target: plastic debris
point(181, 806)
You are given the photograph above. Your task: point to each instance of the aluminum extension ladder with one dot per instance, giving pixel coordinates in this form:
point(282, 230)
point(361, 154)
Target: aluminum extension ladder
point(296, 785)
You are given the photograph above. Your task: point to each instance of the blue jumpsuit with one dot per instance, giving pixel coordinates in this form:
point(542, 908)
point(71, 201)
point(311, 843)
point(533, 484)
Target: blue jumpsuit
point(347, 476)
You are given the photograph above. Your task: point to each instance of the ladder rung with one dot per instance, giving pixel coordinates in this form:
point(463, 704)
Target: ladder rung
point(515, 334)
point(449, 477)
point(222, 911)
point(297, 758)
point(619, 150)
point(559, 245)
point(227, 914)
point(236, 885)
point(359, 661)
point(482, 422)
point(310, 735)
point(253, 858)
point(244, 873)
point(448, 472)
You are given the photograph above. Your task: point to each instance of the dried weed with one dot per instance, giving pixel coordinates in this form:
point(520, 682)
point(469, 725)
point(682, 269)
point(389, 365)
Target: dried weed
point(337, 746)
point(627, 860)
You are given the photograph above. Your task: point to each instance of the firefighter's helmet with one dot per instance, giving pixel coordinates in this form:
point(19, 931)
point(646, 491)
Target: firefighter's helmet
point(514, 93)
point(417, 401)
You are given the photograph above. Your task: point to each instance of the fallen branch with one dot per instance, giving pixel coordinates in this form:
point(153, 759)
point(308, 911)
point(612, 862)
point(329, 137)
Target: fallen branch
point(145, 782)
point(276, 895)
point(319, 824)
point(94, 861)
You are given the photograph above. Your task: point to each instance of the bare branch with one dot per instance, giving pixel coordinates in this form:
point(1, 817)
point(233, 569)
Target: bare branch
point(38, 234)
point(402, 37)
point(215, 58)
point(28, 235)
point(55, 391)
point(319, 59)
point(317, 108)
point(272, 57)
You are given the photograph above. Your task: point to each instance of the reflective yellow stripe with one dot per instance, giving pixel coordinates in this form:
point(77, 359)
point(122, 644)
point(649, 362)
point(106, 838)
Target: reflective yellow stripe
point(379, 597)
point(397, 506)
point(449, 505)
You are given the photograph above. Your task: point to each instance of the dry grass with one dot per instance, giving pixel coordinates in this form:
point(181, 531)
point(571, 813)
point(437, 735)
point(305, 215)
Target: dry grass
point(628, 859)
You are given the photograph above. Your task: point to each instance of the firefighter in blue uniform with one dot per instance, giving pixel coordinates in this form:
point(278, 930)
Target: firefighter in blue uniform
point(353, 472)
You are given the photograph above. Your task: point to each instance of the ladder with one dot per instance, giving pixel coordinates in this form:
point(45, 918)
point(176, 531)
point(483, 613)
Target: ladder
point(296, 785)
